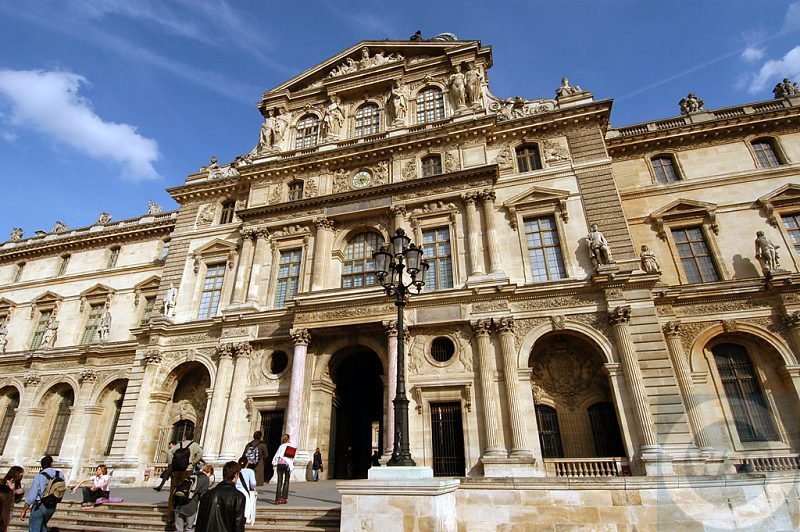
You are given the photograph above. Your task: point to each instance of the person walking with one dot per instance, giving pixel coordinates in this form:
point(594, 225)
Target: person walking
point(222, 508)
point(246, 483)
point(317, 465)
point(284, 463)
point(13, 480)
point(182, 457)
point(43, 496)
point(165, 476)
point(256, 453)
point(186, 513)
point(98, 490)
point(10, 492)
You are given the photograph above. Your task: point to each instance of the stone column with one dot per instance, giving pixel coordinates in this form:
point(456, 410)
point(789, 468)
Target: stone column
point(490, 235)
point(482, 330)
point(152, 360)
point(236, 418)
point(30, 416)
point(242, 272)
point(473, 234)
point(618, 319)
point(399, 216)
point(301, 338)
point(216, 417)
point(683, 373)
point(390, 327)
point(322, 245)
point(79, 424)
point(519, 444)
point(259, 259)
point(793, 372)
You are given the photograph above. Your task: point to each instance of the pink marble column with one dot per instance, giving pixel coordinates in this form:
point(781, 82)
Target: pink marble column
point(391, 387)
point(301, 338)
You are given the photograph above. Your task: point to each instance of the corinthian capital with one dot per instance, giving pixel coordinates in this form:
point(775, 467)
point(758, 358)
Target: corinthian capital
point(248, 233)
point(323, 223)
point(482, 327)
point(88, 375)
point(488, 195)
point(31, 379)
point(398, 209)
point(300, 336)
point(672, 328)
point(620, 315)
point(242, 349)
point(224, 351)
point(152, 357)
point(470, 198)
point(505, 325)
point(390, 327)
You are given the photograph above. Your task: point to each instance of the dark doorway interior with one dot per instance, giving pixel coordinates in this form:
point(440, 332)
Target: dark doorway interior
point(358, 404)
point(447, 432)
point(271, 427)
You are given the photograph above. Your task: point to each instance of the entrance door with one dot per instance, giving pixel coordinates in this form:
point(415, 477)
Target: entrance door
point(271, 428)
point(448, 440)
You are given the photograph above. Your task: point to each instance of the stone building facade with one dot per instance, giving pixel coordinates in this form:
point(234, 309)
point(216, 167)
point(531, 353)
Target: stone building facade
point(662, 341)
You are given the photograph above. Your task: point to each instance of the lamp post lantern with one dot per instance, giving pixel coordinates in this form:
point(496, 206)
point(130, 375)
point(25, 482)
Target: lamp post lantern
point(390, 263)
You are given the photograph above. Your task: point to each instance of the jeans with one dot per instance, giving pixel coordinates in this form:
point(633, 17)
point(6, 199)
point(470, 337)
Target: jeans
point(316, 474)
point(37, 522)
point(282, 490)
point(185, 523)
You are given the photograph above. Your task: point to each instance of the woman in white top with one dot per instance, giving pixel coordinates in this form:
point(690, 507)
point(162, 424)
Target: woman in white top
point(283, 465)
point(246, 483)
point(98, 490)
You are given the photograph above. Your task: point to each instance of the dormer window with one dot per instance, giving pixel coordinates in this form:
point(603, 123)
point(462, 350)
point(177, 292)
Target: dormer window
point(766, 154)
point(227, 212)
point(665, 169)
point(295, 190)
point(431, 165)
point(430, 106)
point(528, 158)
point(368, 118)
point(307, 132)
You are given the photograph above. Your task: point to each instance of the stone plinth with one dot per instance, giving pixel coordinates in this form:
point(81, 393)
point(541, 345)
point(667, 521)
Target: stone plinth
point(396, 499)
point(500, 467)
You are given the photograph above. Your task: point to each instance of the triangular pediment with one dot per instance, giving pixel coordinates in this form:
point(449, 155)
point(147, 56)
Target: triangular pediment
point(789, 193)
point(6, 304)
point(537, 195)
point(47, 297)
point(684, 207)
point(151, 283)
point(98, 290)
point(216, 246)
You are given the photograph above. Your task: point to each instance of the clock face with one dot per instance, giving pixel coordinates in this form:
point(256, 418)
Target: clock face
point(361, 179)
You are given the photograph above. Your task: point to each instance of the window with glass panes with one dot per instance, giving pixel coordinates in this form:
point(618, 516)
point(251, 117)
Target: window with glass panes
point(62, 266)
point(59, 426)
point(113, 256)
point(792, 224)
point(544, 249)
point(228, 209)
point(765, 153)
point(359, 267)
point(430, 105)
point(751, 412)
point(295, 190)
point(149, 303)
point(114, 423)
point(12, 403)
point(696, 259)
point(664, 168)
point(436, 250)
point(431, 165)
point(368, 118)
point(95, 314)
point(41, 327)
point(288, 276)
point(307, 132)
point(528, 158)
point(549, 432)
point(212, 291)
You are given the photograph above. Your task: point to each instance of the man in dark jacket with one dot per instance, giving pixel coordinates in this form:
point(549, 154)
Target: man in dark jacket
point(222, 508)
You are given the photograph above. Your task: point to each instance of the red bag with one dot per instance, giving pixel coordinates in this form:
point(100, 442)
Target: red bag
point(290, 452)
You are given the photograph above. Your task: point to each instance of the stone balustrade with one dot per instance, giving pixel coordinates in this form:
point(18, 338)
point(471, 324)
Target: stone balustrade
point(586, 467)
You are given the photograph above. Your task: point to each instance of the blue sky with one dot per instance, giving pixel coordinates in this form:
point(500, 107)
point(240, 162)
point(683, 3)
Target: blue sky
point(105, 103)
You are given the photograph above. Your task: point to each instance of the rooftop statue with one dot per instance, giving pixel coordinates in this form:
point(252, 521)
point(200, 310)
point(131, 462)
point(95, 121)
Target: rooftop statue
point(154, 208)
point(59, 227)
point(785, 88)
point(566, 89)
point(690, 104)
point(16, 234)
point(104, 218)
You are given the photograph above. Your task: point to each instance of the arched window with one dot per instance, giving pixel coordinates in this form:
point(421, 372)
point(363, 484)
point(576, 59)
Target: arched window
point(665, 169)
point(307, 132)
point(430, 105)
point(183, 430)
point(766, 154)
point(605, 430)
point(528, 158)
point(751, 413)
point(359, 267)
point(295, 190)
point(368, 118)
point(9, 402)
point(228, 209)
point(431, 165)
point(549, 432)
point(63, 411)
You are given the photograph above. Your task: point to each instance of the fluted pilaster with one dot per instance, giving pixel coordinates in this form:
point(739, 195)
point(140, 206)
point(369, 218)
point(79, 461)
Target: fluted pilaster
point(482, 330)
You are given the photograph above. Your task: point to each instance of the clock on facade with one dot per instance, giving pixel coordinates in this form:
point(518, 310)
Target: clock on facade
point(361, 179)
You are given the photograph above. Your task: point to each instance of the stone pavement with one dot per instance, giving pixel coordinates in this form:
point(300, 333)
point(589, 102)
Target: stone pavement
point(322, 494)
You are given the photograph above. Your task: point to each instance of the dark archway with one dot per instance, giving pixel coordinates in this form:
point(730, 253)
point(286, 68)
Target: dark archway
point(357, 407)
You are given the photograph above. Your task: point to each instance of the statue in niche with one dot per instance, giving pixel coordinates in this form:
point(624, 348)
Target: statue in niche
point(266, 138)
point(332, 118)
point(49, 335)
point(3, 337)
point(566, 89)
point(648, 261)
point(398, 103)
point(690, 104)
point(785, 88)
point(16, 234)
point(458, 87)
point(59, 227)
point(598, 247)
point(170, 298)
point(474, 81)
point(104, 327)
point(154, 208)
point(767, 253)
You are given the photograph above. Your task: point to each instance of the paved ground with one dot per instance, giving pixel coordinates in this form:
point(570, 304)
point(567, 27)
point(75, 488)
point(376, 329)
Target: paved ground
point(322, 494)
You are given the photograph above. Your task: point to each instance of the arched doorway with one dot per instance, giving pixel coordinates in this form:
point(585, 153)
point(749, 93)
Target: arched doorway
point(110, 399)
point(58, 401)
point(184, 415)
point(357, 412)
point(9, 402)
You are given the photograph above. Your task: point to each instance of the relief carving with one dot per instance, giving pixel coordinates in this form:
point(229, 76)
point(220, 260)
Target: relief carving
point(565, 372)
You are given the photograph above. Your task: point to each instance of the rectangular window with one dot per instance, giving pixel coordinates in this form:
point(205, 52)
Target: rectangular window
point(436, 249)
point(18, 273)
point(8, 421)
point(149, 303)
point(288, 276)
point(113, 255)
point(62, 267)
point(59, 428)
point(695, 255)
point(228, 209)
point(792, 224)
point(95, 315)
point(212, 291)
point(765, 153)
point(41, 327)
point(664, 168)
point(544, 249)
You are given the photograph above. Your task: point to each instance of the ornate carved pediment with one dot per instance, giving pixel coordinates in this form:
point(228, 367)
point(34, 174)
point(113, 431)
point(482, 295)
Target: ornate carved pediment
point(684, 210)
point(47, 300)
point(787, 196)
point(216, 249)
point(518, 107)
point(148, 286)
point(6, 306)
point(99, 293)
point(536, 197)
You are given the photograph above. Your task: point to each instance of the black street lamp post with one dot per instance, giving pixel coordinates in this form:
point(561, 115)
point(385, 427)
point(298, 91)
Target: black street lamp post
point(389, 266)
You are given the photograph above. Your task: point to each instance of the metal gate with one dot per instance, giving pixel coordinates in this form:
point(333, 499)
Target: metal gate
point(448, 440)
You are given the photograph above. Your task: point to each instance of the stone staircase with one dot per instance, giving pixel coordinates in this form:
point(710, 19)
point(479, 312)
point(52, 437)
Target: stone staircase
point(130, 517)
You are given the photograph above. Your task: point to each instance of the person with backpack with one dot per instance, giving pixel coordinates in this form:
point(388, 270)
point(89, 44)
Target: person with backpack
point(182, 458)
point(187, 498)
point(284, 463)
point(246, 484)
point(165, 476)
point(46, 491)
point(256, 453)
point(98, 490)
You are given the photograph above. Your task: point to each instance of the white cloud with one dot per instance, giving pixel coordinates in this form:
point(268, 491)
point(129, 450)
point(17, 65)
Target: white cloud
point(776, 69)
point(751, 54)
point(791, 21)
point(49, 103)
